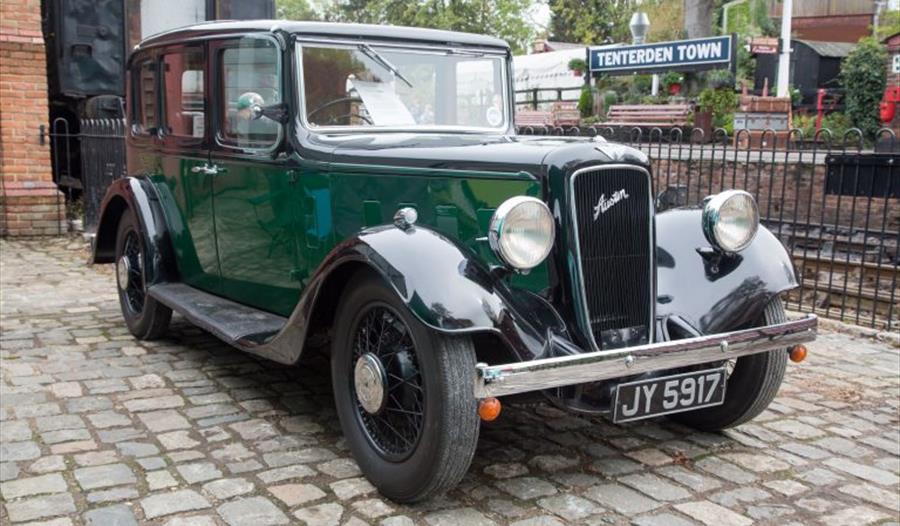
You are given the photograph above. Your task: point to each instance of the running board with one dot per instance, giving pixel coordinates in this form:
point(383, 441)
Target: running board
point(243, 327)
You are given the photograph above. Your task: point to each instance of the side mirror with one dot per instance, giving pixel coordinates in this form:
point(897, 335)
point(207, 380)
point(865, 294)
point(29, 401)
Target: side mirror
point(251, 106)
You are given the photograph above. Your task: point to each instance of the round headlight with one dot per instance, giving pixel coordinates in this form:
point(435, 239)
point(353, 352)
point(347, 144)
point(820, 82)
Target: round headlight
point(730, 220)
point(521, 232)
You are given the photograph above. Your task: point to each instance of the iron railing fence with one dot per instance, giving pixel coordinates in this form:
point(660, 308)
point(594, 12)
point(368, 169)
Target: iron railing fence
point(86, 159)
point(833, 203)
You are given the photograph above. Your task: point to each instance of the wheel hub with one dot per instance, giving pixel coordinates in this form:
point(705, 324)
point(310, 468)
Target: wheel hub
point(370, 381)
point(123, 271)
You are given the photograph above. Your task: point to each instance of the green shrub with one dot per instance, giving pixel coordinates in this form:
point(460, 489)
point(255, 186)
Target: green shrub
point(586, 102)
point(720, 78)
point(670, 78)
point(721, 103)
point(577, 64)
point(864, 78)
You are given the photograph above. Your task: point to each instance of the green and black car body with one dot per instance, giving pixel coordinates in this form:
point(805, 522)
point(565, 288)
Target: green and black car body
point(524, 264)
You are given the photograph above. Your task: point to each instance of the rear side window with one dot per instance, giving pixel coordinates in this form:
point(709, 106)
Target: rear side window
point(248, 67)
point(145, 113)
point(183, 92)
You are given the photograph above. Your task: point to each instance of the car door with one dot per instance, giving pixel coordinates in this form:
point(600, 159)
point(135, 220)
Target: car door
point(185, 184)
point(254, 189)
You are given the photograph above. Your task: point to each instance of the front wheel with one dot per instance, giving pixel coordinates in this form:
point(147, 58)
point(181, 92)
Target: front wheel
point(752, 384)
point(404, 394)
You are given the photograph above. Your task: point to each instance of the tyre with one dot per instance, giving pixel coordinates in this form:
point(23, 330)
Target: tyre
point(145, 317)
point(404, 394)
point(752, 384)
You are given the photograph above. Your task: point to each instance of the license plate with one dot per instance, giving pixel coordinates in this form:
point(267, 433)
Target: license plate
point(669, 394)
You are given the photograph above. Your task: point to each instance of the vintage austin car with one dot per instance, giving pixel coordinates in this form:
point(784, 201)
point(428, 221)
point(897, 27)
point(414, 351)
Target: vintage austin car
point(362, 189)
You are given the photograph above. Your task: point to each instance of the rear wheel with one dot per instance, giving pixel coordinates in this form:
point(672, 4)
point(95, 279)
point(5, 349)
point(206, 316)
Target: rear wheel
point(753, 382)
point(404, 394)
point(145, 317)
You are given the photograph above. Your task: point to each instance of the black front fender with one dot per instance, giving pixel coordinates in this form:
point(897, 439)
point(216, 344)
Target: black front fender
point(714, 293)
point(131, 195)
point(448, 288)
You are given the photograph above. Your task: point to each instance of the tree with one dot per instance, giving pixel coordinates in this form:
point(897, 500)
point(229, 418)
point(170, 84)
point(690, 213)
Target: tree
point(295, 10)
point(591, 22)
point(698, 18)
point(864, 78)
point(505, 19)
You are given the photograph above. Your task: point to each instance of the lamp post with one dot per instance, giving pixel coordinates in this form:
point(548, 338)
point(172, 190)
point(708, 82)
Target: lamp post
point(639, 25)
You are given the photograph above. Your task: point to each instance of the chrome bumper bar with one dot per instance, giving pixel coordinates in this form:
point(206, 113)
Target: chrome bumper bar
point(512, 378)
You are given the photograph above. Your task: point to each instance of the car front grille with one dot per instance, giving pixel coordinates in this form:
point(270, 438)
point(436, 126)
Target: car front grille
point(613, 216)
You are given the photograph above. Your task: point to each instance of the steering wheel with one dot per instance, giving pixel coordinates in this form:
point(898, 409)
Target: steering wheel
point(332, 120)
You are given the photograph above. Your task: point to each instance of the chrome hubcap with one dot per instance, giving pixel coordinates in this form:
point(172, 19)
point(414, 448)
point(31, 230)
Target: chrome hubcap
point(123, 271)
point(369, 379)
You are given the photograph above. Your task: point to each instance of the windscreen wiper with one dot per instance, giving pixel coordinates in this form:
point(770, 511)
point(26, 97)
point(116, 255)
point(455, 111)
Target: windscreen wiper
point(376, 56)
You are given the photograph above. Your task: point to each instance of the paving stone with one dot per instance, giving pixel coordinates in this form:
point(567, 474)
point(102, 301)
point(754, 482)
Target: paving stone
point(339, 468)
point(697, 482)
point(8, 471)
point(757, 463)
point(177, 440)
point(296, 494)
point(740, 495)
point(349, 488)
point(160, 479)
point(227, 488)
point(663, 519)
point(874, 494)
point(198, 472)
point(569, 507)
point(104, 476)
point(327, 514)
point(506, 471)
point(869, 473)
point(137, 449)
point(621, 499)
point(33, 486)
point(527, 487)
point(112, 495)
point(160, 504)
point(712, 514)
point(166, 420)
point(372, 508)
point(458, 517)
point(48, 464)
point(15, 430)
point(552, 463)
point(788, 488)
point(254, 429)
point(153, 404)
point(96, 458)
point(253, 511)
point(855, 516)
point(17, 451)
point(40, 507)
point(726, 470)
point(541, 520)
point(297, 471)
point(193, 520)
point(655, 487)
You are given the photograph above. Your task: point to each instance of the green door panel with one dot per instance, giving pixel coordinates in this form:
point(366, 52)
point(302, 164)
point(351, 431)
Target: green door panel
point(187, 201)
point(257, 226)
point(458, 207)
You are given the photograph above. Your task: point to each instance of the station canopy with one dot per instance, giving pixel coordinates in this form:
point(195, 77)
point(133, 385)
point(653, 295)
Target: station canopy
point(548, 70)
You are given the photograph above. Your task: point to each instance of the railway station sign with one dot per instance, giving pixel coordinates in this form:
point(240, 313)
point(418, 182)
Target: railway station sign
point(678, 55)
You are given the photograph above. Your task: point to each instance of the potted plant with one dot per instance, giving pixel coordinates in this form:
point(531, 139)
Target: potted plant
point(672, 81)
point(577, 66)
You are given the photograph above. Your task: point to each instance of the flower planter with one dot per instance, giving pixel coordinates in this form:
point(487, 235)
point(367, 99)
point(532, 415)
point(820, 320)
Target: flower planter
point(674, 89)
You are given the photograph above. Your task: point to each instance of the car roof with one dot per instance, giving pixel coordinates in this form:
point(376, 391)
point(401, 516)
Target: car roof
point(327, 29)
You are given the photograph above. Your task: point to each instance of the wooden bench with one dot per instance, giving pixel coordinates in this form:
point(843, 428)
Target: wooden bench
point(566, 114)
point(533, 118)
point(649, 115)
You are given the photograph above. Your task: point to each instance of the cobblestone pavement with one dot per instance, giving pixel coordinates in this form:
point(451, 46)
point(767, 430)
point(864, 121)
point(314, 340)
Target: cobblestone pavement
point(97, 428)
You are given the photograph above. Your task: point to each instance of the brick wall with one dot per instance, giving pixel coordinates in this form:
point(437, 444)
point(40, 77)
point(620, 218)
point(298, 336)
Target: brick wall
point(30, 203)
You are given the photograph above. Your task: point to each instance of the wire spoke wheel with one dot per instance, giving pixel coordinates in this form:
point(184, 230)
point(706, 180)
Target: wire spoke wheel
point(131, 270)
point(389, 393)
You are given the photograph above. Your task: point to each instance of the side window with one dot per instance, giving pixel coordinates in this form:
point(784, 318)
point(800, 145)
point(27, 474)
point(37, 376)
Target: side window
point(249, 69)
point(183, 93)
point(144, 111)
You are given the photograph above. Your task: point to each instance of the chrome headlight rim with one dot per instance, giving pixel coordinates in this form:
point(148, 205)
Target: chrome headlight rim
point(495, 232)
point(712, 207)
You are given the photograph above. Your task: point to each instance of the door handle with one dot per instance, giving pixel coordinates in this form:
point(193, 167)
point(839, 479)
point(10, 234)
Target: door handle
point(208, 170)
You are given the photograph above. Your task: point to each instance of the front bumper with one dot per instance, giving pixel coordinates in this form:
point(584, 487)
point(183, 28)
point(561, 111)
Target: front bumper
point(512, 378)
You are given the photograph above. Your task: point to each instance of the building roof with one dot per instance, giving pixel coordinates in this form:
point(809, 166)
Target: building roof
point(346, 31)
point(829, 49)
